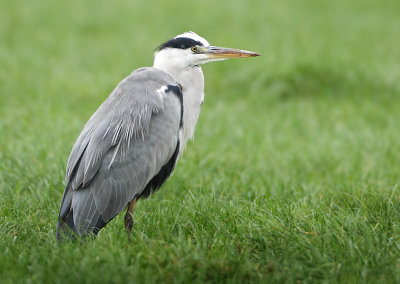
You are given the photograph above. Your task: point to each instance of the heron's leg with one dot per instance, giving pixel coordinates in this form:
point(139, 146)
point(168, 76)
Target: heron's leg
point(129, 217)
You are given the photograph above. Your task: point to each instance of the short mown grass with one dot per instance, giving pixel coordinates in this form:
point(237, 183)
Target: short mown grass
point(294, 172)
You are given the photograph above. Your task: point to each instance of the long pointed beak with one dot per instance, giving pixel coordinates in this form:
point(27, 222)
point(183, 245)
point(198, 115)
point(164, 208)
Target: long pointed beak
point(224, 53)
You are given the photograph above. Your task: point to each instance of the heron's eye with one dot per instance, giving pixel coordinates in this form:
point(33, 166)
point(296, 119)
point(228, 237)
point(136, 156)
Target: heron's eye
point(194, 49)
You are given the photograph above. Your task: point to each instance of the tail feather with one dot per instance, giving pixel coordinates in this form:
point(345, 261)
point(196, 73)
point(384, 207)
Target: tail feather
point(66, 229)
point(88, 219)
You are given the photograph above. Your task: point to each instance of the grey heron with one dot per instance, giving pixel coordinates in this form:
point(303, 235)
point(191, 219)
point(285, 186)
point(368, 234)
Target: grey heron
point(130, 145)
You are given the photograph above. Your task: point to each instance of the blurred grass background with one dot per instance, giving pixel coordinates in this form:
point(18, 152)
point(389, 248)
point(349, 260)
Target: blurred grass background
point(294, 172)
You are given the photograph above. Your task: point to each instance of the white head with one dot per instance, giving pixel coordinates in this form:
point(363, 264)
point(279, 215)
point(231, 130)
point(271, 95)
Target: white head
point(190, 49)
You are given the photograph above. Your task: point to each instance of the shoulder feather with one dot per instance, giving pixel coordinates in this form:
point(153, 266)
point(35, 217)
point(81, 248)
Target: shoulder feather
point(124, 115)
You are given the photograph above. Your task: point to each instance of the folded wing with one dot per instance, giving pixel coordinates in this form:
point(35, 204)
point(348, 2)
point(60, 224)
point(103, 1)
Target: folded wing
point(127, 149)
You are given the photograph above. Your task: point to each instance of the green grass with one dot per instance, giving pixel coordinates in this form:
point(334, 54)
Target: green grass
point(294, 172)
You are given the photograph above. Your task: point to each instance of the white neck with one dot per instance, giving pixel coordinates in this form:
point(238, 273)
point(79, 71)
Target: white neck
point(191, 79)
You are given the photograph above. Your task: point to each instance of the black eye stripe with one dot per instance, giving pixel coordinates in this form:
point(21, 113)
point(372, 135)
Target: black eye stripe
point(180, 42)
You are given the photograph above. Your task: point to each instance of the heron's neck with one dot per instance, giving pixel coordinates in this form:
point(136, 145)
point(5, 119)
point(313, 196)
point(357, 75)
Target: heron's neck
point(191, 79)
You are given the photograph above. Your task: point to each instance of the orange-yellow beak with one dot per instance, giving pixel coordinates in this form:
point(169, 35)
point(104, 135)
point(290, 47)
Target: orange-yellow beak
point(224, 53)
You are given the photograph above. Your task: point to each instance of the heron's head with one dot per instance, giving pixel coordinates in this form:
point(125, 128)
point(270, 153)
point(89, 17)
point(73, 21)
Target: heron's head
point(190, 49)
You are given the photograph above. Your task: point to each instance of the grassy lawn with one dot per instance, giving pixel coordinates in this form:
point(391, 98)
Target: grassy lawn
point(294, 172)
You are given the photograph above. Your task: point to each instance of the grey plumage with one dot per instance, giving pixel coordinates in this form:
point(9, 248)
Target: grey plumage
point(130, 145)
point(125, 143)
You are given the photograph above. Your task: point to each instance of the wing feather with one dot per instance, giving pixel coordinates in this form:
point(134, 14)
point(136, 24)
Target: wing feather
point(122, 147)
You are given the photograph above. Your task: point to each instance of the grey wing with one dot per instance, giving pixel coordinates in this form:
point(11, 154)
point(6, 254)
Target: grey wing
point(123, 150)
